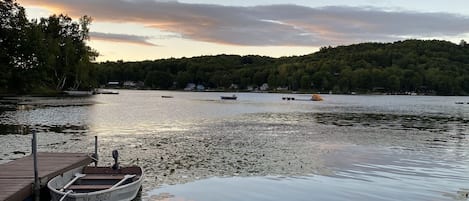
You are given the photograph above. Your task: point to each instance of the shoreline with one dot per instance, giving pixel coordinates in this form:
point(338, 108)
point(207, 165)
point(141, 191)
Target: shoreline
point(4, 96)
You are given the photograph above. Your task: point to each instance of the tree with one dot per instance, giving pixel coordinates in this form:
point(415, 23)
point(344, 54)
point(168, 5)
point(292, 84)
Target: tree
point(159, 80)
point(35, 54)
point(437, 67)
point(463, 43)
point(305, 82)
point(14, 53)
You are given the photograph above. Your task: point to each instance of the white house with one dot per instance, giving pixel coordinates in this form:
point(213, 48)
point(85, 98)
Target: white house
point(234, 86)
point(129, 84)
point(112, 84)
point(189, 87)
point(264, 87)
point(200, 87)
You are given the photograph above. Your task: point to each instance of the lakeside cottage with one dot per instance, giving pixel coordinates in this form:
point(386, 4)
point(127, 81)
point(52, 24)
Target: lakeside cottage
point(189, 87)
point(130, 84)
point(200, 87)
point(264, 87)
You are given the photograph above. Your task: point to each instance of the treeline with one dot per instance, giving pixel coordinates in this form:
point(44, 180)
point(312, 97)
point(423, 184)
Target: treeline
point(43, 56)
point(216, 72)
point(420, 66)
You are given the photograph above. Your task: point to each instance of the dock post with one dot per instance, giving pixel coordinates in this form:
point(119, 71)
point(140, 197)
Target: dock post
point(96, 150)
point(37, 185)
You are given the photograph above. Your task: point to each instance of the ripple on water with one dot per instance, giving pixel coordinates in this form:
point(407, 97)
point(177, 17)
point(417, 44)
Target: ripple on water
point(345, 148)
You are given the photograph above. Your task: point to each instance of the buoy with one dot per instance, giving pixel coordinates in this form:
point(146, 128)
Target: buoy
point(316, 97)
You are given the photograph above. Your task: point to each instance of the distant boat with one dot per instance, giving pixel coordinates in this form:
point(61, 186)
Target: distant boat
point(233, 97)
point(79, 93)
point(166, 96)
point(101, 91)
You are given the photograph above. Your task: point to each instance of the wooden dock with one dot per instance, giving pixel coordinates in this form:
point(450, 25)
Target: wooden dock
point(17, 177)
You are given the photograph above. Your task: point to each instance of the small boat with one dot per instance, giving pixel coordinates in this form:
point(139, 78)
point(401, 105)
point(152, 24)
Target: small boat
point(233, 97)
point(109, 92)
point(97, 183)
point(101, 91)
point(79, 93)
point(166, 96)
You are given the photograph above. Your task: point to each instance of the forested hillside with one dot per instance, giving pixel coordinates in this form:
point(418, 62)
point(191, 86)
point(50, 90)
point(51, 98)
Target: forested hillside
point(429, 67)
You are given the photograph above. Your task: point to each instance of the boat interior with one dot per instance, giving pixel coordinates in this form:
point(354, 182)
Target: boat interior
point(102, 178)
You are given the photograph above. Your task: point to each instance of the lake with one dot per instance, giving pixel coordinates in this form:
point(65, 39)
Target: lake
point(197, 147)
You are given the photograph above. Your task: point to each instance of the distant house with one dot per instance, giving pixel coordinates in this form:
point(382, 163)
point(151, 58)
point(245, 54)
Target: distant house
point(378, 89)
point(282, 88)
point(200, 87)
point(129, 84)
point(140, 84)
point(264, 87)
point(234, 86)
point(250, 88)
point(190, 87)
point(113, 84)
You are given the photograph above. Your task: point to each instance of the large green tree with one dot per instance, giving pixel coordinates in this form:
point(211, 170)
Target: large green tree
point(14, 54)
point(50, 54)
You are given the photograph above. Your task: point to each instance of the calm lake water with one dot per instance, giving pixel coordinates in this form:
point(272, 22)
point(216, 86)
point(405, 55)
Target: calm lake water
point(197, 147)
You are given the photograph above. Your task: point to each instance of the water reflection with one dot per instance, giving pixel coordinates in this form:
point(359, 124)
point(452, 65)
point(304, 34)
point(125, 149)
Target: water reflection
point(14, 129)
point(6, 129)
point(392, 121)
point(339, 149)
point(358, 174)
point(60, 115)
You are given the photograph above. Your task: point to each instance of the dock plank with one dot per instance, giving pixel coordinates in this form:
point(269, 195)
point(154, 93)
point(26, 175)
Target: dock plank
point(17, 177)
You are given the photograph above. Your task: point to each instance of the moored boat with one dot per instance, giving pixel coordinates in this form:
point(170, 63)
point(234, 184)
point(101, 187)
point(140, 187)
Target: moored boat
point(78, 93)
point(233, 97)
point(91, 183)
point(101, 91)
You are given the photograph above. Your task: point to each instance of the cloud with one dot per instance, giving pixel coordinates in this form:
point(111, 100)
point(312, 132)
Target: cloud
point(123, 38)
point(270, 25)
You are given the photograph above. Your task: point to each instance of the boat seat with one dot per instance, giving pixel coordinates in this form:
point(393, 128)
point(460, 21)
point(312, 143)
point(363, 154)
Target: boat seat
point(89, 187)
point(102, 177)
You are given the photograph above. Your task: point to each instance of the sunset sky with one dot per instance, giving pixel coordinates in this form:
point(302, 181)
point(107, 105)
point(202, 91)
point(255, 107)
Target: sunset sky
point(134, 30)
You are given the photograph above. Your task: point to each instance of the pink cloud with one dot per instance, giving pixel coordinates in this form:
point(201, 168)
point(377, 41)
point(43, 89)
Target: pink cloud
point(270, 25)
